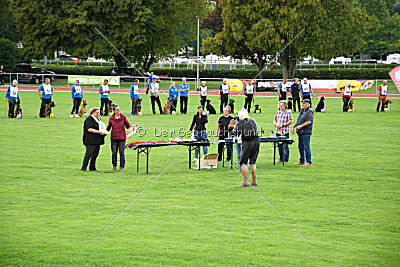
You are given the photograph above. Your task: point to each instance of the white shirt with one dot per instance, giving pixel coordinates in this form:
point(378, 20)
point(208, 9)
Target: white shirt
point(249, 89)
point(78, 89)
point(225, 88)
point(47, 89)
point(154, 88)
point(104, 88)
point(136, 89)
point(347, 90)
point(384, 89)
point(13, 91)
point(203, 90)
point(305, 87)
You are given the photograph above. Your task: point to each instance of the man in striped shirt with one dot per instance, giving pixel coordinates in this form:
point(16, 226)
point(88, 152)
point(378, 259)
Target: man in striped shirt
point(283, 118)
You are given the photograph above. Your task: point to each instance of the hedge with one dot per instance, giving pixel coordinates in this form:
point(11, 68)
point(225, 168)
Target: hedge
point(236, 73)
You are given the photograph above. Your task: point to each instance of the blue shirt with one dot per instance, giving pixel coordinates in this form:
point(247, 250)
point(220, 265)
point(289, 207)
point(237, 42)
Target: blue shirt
point(46, 89)
point(12, 93)
point(150, 79)
point(184, 86)
point(104, 88)
point(154, 89)
point(304, 90)
point(173, 93)
point(76, 91)
point(135, 91)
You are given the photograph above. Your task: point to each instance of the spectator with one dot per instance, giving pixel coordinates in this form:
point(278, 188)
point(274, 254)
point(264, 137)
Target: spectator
point(12, 96)
point(200, 133)
point(223, 131)
point(104, 90)
point(184, 92)
point(283, 118)
point(303, 127)
point(224, 89)
point(45, 96)
point(77, 95)
point(135, 97)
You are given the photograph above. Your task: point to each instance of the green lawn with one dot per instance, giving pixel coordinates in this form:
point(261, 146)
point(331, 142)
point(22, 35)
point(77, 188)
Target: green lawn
point(346, 205)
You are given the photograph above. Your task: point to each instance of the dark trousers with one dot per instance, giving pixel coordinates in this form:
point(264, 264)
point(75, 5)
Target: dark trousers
point(118, 145)
point(283, 149)
point(346, 100)
point(224, 102)
point(153, 101)
point(247, 102)
point(174, 103)
point(282, 96)
point(11, 107)
point(43, 106)
point(184, 102)
point(92, 151)
point(135, 101)
point(309, 98)
point(104, 104)
point(203, 100)
point(296, 100)
point(221, 149)
point(2, 79)
point(77, 103)
point(304, 148)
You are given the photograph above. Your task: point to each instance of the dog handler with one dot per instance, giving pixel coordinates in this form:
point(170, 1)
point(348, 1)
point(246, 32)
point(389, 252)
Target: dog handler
point(306, 90)
point(184, 92)
point(12, 96)
point(173, 94)
point(45, 96)
point(224, 89)
point(303, 127)
point(104, 90)
point(347, 93)
point(77, 95)
point(154, 87)
point(295, 91)
point(383, 90)
point(249, 93)
point(134, 94)
point(203, 94)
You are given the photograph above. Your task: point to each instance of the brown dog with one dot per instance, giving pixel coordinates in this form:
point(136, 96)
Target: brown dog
point(351, 104)
point(167, 107)
point(83, 109)
point(139, 106)
point(47, 109)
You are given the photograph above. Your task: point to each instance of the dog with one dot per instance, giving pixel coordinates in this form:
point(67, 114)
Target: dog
point(110, 106)
point(321, 105)
point(18, 109)
point(47, 109)
point(232, 105)
point(210, 108)
point(138, 106)
point(83, 109)
point(290, 103)
point(351, 105)
point(257, 107)
point(386, 103)
point(167, 107)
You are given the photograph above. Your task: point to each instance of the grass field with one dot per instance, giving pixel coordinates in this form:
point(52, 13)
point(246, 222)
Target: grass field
point(346, 205)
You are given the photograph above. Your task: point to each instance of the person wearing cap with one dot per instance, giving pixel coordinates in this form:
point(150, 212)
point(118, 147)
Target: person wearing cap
point(77, 95)
point(154, 87)
point(383, 90)
point(104, 90)
point(134, 94)
point(295, 91)
point(303, 127)
point(200, 133)
point(347, 93)
point(224, 89)
point(46, 93)
point(306, 90)
point(203, 93)
point(282, 90)
point(12, 96)
point(283, 118)
point(184, 95)
point(173, 93)
point(249, 93)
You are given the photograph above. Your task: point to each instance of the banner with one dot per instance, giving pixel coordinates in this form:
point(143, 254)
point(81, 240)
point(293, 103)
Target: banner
point(355, 84)
point(395, 75)
point(236, 85)
point(89, 80)
point(317, 85)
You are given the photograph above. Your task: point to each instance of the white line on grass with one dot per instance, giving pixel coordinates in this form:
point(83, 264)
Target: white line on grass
point(133, 200)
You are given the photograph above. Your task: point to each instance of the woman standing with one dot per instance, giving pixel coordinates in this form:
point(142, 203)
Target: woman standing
point(117, 122)
point(94, 131)
point(200, 132)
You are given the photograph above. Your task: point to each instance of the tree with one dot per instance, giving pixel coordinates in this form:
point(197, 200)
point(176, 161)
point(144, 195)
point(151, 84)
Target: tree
point(9, 54)
point(256, 29)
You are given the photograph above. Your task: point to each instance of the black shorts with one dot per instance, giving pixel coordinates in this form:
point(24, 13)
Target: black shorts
point(249, 152)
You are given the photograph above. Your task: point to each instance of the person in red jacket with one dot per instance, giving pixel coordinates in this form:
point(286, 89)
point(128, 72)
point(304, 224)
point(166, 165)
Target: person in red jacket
point(383, 90)
point(347, 94)
point(118, 122)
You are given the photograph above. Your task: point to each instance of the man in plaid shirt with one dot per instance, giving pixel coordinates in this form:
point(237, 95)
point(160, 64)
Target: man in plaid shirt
point(283, 118)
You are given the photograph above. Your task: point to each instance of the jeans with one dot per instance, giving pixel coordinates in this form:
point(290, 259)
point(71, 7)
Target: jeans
point(304, 147)
point(346, 100)
point(92, 151)
point(200, 136)
point(283, 148)
point(115, 146)
point(77, 103)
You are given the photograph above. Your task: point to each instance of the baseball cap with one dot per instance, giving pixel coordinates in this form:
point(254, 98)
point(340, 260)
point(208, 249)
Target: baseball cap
point(307, 101)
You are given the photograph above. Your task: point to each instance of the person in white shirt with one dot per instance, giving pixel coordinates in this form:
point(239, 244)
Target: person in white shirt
point(249, 93)
point(224, 89)
point(104, 90)
point(383, 90)
point(203, 94)
point(153, 89)
point(282, 90)
point(46, 93)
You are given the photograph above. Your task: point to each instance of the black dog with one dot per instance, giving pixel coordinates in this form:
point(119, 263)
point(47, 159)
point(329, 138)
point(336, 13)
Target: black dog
point(321, 105)
point(257, 107)
point(232, 105)
point(210, 108)
point(290, 103)
point(386, 104)
point(18, 109)
point(110, 106)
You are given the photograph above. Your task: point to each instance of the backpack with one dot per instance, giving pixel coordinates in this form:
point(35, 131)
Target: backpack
point(248, 130)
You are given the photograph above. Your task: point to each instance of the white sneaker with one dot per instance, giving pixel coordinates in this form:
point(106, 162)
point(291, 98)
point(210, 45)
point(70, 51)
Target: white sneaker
point(194, 159)
point(76, 116)
point(71, 116)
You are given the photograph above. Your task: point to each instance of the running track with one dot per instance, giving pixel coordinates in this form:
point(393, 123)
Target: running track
point(258, 94)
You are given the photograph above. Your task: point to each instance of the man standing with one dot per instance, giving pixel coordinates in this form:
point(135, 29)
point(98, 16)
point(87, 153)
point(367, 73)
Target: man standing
point(12, 96)
point(249, 93)
point(77, 95)
point(104, 90)
point(184, 92)
point(283, 118)
point(154, 87)
point(224, 89)
point(149, 81)
point(347, 93)
point(303, 127)
point(282, 90)
point(46, 92)
point(306, 90)
point(223, 130)
point(134, 93)
point(383, 90)
point(2, 73)
point(295, 91)
point(203, 94)
point(173, 94)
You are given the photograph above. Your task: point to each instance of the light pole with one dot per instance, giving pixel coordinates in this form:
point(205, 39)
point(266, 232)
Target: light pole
point(198, 56)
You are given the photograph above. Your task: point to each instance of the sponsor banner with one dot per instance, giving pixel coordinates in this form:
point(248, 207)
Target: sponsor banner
point(395, 75)
point(236, 85)
point(89, 80)
point(357, 85)
point(317, 85)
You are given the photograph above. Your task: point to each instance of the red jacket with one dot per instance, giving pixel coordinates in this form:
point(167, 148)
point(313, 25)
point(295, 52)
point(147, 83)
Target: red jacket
point(118, 130)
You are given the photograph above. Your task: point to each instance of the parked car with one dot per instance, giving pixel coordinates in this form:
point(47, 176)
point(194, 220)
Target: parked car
point(65, 57)
point(127, 74)
point(34, 75)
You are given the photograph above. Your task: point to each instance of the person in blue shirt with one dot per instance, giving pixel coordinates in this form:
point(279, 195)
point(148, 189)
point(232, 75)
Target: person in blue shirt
point(224, 89)
point(149, 81)
point(306, 90)
point(135, 96)
point(154, 87)
point(173, 96)
point(12, 96)
point(45, 93)
point(184, 92)
point(104, 90)
point(77, 95)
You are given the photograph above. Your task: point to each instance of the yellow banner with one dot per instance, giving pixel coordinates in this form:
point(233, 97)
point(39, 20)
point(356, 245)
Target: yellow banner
point(236, 85)
point(356, 85)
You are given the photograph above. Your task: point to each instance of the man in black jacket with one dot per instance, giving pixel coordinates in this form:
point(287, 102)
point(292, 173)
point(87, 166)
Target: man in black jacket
point(200, 133)
point(223, 130)
point(294, 90)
